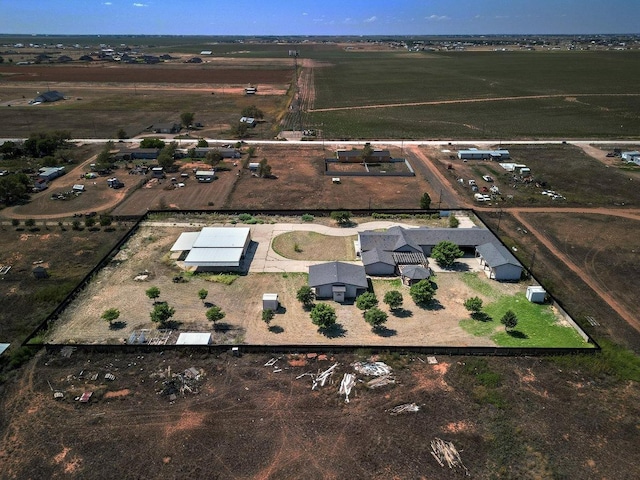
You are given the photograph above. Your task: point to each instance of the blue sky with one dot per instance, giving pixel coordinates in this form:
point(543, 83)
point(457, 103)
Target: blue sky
point(326, 17)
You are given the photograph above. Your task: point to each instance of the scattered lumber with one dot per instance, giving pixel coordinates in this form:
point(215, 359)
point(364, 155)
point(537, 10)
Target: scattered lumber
point(373, 369)
point(348, 381)
point(446, 453)
point(381, 381)
point(322, 377)
point(404, 408)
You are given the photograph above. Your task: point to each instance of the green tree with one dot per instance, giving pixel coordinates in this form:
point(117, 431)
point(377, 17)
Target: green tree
point(367, 152)
point(105, 220)
point(445, 253)
point(425, 201)
point(251, 151)
point(241, 130)
point(1, 60)
point(122, 134)
point(375, 317)
point(305, 296)
point(509, 320)
point(267, 316)
point(202, 143)
point(14, 188)
point(422, 292)
point(213, 157)
point(43, 144)
point(214, 314)
point(323, 316)
point(29, 222)
point(104, 160)
point(153, 293)
point(75, 225)
point(161, 314)
point(15, 222)
point(151, 142)
point(89, 222)
point(453, 221)
point(342, 217)
point(366, 300)
point(202, 294)
point(394, 299)
point(264, 169)
point(473, 304)
point(252, 111)
point(111, 315)
point(187, 119)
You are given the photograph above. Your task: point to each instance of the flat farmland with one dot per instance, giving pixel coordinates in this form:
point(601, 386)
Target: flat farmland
point(301, 183)
point(607, 248)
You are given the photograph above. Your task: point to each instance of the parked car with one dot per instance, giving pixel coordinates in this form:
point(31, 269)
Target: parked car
point(487, 178)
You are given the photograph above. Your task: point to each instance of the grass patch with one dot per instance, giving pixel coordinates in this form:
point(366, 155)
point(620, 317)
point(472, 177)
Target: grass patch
point(299, 245)
point(537, 325)
point(223, 278)
point(479, 284)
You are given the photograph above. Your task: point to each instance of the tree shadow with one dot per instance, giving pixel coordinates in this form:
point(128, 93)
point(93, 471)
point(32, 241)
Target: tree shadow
point(171, 325)
point(208, 304)
point(383, 331)
point(517, 334)
point(117, 325)
point(222, 327)
point(481, 317)
point(334, 331)
point(276, 329)
point(433, 305)
point(281, 310)
point(401, 313)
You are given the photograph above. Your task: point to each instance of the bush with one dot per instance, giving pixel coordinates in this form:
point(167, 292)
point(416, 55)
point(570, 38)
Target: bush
point(393, 298)
point(307, 217)
point(323, 315)
point(375, 317)
point(267, 315)
point(453, 221)
point(422, 292)
point(366, 301)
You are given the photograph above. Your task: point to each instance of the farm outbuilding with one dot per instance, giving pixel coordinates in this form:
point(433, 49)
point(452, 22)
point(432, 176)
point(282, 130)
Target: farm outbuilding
point(49, 173)
point(536, 294)
point(40, 273)
point(473, 154)
point(337, 280)
point(411, 274)
point(48, 97)
point(194, 338)
point(498, 262)
point(378, 262)
point(214, 248)
point(167, 128)
point(356, 156)
point(201, 152)
point(270, 301)
point(249, 121)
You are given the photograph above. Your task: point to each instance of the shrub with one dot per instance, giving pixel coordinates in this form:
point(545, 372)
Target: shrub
point(366, 301)
point(307, 217)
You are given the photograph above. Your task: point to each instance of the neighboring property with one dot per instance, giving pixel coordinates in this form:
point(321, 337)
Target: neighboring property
point(250, 121)
point(49, 173)
point(47, 97)
point(167, 128)
point(251, 90)
point(337, 280)
point(213, 248)
point(201, 152)
point(631, 157)
point(356, 156)
point(498, 262)
point(137, 154)
point(205, 176)
point(157, 172)
point(474, 154)
point(390, 252)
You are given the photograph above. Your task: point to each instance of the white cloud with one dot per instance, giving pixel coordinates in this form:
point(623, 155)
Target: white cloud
point(371, 19)
point(140, 5)
point(438, 18)
point(304, 14)
point(107, 3)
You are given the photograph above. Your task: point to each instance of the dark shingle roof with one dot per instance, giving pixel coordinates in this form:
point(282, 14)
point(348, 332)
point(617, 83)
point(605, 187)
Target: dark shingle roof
point(397, 238)
point(337, 272)
point(377, 256)
point(416, 272)
point(495, 255)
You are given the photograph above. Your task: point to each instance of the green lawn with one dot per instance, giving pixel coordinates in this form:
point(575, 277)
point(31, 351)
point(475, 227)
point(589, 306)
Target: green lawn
point(537, 325)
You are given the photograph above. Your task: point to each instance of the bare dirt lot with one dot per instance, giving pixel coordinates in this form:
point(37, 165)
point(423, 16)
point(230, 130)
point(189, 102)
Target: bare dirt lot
point(301, 183)
point(115, 287)
point(249, 421)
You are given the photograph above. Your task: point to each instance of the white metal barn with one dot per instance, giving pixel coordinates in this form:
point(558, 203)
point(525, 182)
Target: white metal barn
point(214, 248)
point(498, 262)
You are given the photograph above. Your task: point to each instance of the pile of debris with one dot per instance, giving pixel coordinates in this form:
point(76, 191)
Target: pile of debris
point(446, 452)
point(188, 381)
point(376, 369)
point(404, 408)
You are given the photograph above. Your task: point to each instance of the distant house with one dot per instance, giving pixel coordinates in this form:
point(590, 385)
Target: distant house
point(498, 262)
point(251, 90)
point(40, 272)
point(64, 59)
point(194, 60)
point(356, 156)
point(206, 52)
point(86, 58)
point(201, 152)
point(631, 157)
point(205, 176)
point(474, 154)
point(51, 96)
point(167, 128)
point(49, 173)
point(337, 280)
point(250, 121)
point(137, 154)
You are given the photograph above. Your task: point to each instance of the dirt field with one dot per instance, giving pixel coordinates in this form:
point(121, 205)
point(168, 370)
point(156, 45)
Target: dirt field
point(115, 287)
point(249, 422)
point(301, 183)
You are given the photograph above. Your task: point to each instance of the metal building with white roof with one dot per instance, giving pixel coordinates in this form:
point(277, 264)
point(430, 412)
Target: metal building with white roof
point(214, 248)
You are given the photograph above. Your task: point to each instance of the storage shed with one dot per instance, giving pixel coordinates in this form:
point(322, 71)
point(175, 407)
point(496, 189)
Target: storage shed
point(194, 338)
point(270, 301)
point(536, 294)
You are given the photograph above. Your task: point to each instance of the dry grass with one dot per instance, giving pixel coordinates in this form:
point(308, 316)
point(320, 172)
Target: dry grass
point(300, 245)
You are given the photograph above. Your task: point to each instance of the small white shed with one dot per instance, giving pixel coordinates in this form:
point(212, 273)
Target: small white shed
point(536, 294)
point(270, 301)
